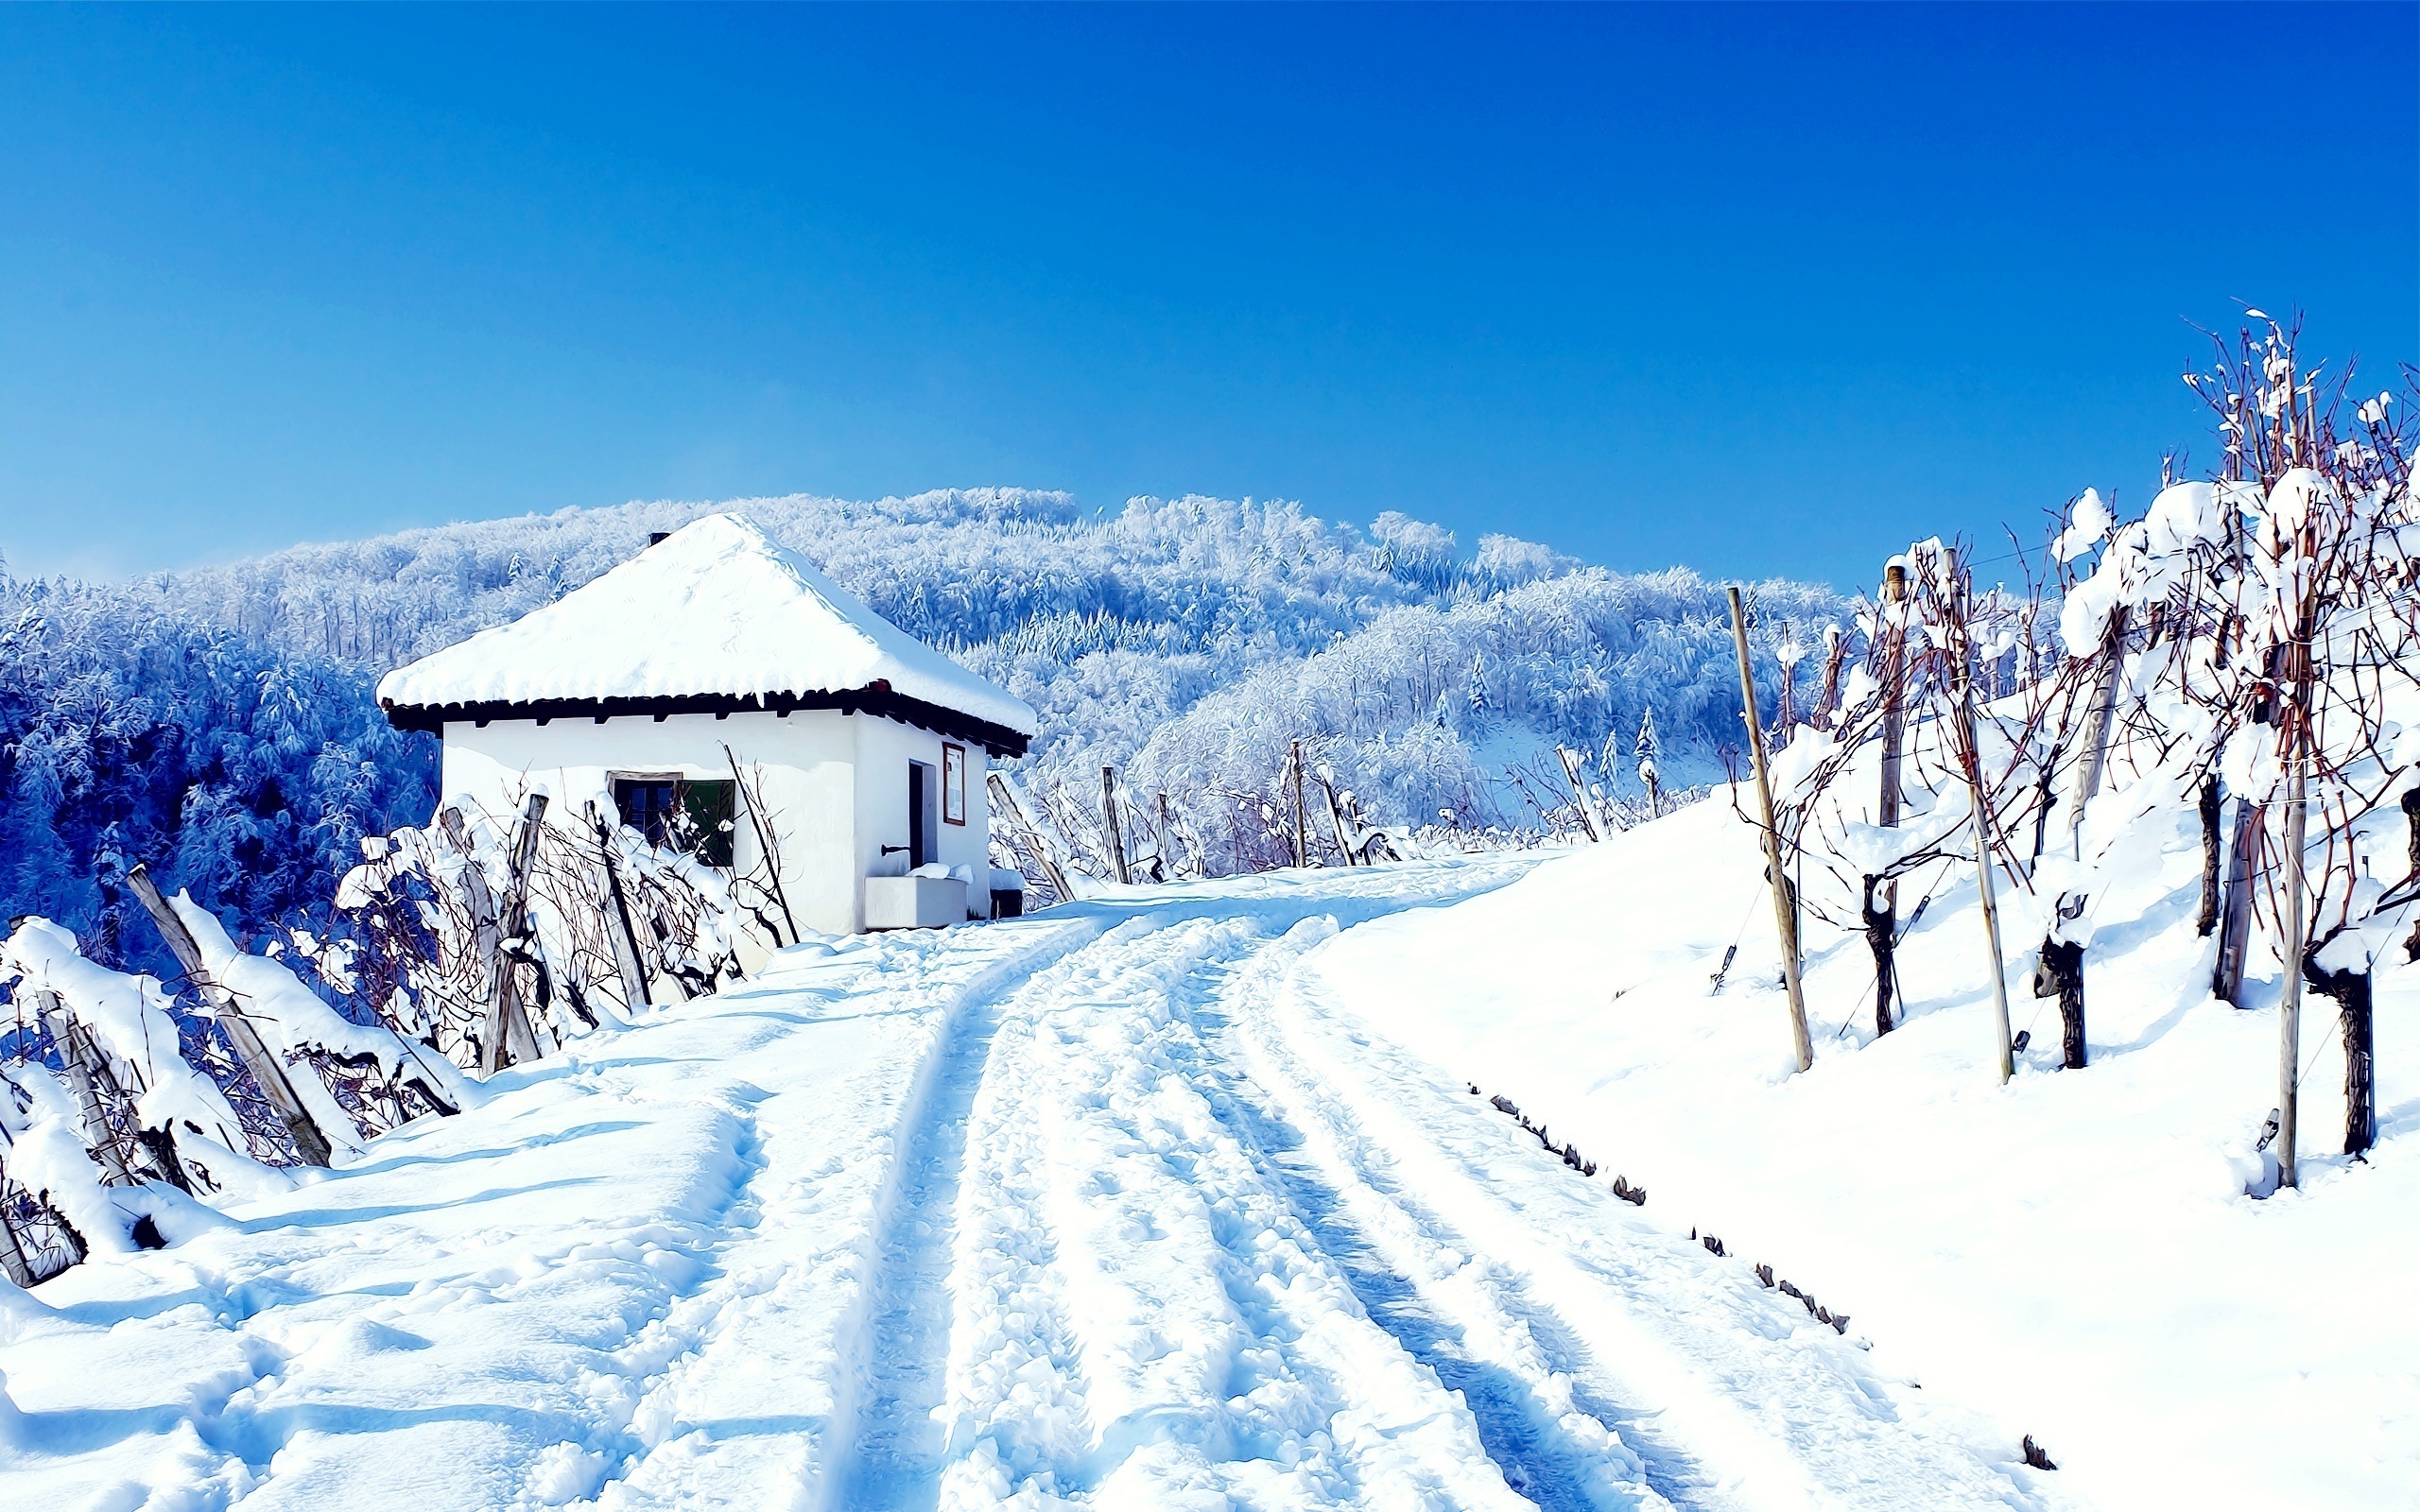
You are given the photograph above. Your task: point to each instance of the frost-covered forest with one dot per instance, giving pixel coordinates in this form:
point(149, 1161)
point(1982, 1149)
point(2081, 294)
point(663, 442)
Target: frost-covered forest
point(218, 724)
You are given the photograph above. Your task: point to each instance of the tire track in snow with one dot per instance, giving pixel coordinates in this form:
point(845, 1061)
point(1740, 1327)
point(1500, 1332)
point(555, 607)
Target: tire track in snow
point(1141, 1313)
point(1785, 1411)
point(1561, 1443)
point(894, 1440)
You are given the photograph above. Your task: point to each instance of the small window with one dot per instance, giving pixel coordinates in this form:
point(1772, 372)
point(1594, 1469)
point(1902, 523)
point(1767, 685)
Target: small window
point(677, 815)
point(952, 784)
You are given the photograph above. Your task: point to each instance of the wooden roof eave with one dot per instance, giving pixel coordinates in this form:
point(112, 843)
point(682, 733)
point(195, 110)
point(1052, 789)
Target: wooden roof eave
point(876, 698)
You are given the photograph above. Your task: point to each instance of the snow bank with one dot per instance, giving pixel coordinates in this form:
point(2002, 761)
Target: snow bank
point(2075, 1250)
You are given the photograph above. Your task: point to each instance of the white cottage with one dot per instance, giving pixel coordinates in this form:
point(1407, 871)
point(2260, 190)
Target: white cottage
point(718, 650)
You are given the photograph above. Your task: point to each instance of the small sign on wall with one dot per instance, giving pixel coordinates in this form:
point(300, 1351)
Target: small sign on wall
point(952, 784)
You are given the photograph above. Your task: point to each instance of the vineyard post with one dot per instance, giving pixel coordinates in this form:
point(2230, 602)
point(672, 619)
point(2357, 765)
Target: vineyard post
point(1006, 796)
point(266, 1074)
point(1113, 834)
point(2290, 1003)
point(1785, 914)
point(507, 1036)
point(1982, 804)
point(626, 956)
point(13, 1262)
point(98, 1137)
point(1579, 799)
point(1301, 835)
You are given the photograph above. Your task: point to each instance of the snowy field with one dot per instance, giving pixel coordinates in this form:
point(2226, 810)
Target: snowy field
point(1138, 1203)
point(2073, 1252)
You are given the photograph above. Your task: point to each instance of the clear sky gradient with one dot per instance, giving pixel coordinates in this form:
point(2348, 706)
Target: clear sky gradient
point(1756, 290)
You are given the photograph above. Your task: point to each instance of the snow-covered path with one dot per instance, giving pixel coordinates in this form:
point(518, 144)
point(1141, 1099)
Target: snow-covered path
point(1114, 1207)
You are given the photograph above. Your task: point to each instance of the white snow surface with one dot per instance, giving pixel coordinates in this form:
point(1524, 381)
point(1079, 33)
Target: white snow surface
point(1120, 1205)
point(718, 606)
point(2073, 1252)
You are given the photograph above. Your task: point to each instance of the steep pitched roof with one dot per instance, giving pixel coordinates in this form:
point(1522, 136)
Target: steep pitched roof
point(716, 613)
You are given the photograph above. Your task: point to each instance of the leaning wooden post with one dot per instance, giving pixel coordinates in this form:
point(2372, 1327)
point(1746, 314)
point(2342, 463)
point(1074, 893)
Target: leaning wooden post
point(266, 1074)
point(1982, 804)
point(627, 958)
point(98, 1137)
point(1785, 914)
point(1580, 800)
point(508, 1035)
point(1006, 796)
point(1301, 835)
point(1113, 834)
point(13, 1262)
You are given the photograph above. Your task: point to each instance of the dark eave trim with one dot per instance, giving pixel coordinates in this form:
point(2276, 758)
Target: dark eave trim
point(876, 700)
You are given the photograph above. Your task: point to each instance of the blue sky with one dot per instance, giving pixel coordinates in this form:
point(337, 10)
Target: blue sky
point(1758, 290)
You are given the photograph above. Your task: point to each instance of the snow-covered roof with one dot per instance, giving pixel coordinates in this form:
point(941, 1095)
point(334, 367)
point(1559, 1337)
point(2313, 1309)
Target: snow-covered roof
point(717, 609)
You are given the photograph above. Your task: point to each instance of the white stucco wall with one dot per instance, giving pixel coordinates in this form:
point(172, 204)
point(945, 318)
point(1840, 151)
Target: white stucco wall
point(834, 788)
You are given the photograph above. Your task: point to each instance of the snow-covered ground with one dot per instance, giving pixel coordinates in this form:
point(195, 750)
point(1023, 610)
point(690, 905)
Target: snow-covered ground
point(1137, 1203)
point(2073, 1252)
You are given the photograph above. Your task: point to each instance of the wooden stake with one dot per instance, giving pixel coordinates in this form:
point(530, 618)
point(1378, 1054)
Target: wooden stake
point(1579, 794)
point(2235, 910)
point(266, 1074)
point(1982, 805)
point(1006, 796)
point(1785, 913)
point(1301, 835)
point(506, 1036)
point(627, 958)
point(2290, 1005)
point(1894, 708)
point(1113, 834)
point(1169, 838)
point(13, 1262)
point(2094, 759)
point(73, 1051)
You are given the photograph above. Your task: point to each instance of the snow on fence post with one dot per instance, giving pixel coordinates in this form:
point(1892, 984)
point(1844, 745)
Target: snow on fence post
point(310, 1141)
point(1113, 834)
point(1785, 914)
point(507, 1036)
point(1972, 760)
